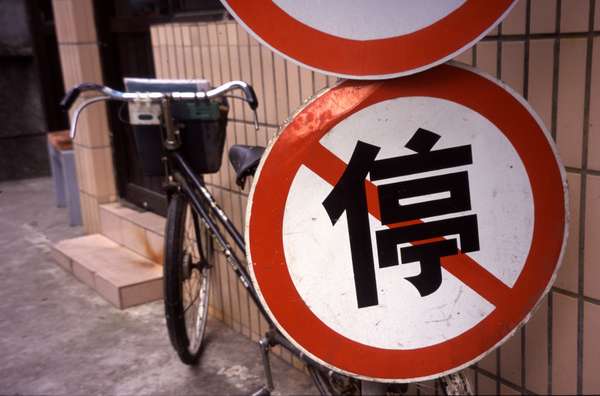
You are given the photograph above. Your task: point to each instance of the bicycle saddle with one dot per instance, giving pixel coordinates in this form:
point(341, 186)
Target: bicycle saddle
point(244, 160)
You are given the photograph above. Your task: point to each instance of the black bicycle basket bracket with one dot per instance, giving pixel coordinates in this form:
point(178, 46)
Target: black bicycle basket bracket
point(202, 125)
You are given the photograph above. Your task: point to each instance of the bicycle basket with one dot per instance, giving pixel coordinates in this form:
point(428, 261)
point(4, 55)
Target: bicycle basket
point(202, 126)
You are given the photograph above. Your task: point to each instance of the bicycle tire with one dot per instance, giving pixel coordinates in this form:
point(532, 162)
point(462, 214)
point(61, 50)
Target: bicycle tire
point(186, 269)
point(455, 384)
point(329, 383)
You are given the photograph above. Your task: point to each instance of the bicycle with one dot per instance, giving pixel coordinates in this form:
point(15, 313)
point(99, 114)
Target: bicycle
point(196, 226)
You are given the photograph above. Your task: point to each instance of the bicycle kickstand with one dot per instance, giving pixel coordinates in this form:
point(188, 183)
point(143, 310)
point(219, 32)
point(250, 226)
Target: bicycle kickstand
point(265, 346)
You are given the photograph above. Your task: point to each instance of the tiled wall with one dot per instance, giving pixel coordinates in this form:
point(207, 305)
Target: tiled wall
point(80, 60)
point(549, 51)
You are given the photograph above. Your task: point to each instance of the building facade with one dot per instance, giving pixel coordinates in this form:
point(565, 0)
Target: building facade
point(547, 50)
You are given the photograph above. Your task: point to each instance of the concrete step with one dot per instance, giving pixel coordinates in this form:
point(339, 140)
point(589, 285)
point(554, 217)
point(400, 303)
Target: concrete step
point(137, 230)
point(121, 276)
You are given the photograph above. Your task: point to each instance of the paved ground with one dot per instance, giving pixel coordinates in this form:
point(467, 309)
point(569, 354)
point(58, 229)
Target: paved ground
point(57, 337)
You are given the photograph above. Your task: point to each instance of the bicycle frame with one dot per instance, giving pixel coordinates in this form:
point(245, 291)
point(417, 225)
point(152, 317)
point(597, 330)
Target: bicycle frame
point(180, 176)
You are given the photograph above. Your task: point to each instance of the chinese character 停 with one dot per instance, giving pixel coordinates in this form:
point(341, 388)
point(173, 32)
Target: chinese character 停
point(426, 240)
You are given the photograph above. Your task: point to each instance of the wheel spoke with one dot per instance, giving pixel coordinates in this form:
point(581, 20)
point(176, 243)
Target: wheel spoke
point(192, 303)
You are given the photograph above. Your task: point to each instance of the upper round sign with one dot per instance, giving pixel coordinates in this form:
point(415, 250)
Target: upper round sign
point(364, 40)
point(400, 230)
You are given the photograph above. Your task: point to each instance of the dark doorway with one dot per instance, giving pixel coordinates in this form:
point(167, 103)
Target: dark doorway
point(126, 51)
point(30, 87)
point(47, 59)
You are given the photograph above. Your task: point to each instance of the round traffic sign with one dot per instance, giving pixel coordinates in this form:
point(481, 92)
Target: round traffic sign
point(360, 40)
point(400, 230)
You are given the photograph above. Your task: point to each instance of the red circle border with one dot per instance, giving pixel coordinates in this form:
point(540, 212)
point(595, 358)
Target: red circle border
point(369, 59)
point(276, 173)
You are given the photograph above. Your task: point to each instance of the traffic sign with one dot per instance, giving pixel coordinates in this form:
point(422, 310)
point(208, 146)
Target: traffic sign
point(365, 40)
point(399, 230)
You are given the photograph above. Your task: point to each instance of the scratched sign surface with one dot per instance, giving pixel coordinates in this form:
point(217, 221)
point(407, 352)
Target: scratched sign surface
point(400, 230)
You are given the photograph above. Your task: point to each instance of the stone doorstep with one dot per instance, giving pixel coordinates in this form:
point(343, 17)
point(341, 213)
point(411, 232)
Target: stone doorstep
point(140, 231)
point(121, 276)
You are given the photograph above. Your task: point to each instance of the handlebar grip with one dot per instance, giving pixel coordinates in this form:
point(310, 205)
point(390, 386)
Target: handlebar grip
point(252, 100)
point(72, 95)
point(70, 98)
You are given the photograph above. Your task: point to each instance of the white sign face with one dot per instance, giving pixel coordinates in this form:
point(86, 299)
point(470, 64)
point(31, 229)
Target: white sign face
point(363, 39)
point(403, 319)
point(401, 230)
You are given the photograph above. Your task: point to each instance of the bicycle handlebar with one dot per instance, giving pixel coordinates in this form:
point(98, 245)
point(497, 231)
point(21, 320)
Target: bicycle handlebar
point(113, 94)
point(108, 93)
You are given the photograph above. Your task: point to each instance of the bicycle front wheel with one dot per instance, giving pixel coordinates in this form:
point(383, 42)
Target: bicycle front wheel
point(186, 268)
point(330, 383)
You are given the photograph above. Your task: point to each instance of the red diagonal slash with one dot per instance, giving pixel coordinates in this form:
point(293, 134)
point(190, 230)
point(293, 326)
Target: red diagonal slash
point(330, 168)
